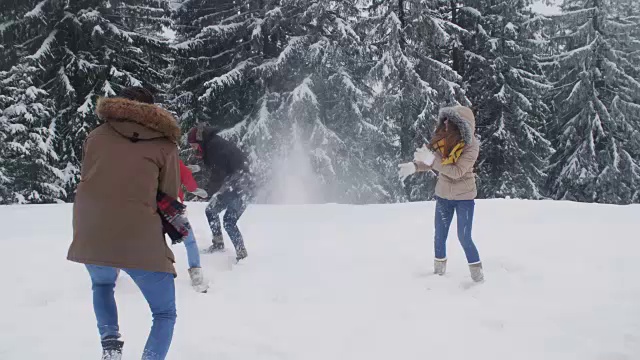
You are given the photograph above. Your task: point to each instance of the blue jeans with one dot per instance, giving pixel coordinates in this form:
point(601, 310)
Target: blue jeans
point(444, 215)
point(193, 255)
point(235, 205)
point(158, 289)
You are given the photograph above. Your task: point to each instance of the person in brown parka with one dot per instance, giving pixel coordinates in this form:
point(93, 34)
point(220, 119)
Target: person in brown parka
point(126, 161)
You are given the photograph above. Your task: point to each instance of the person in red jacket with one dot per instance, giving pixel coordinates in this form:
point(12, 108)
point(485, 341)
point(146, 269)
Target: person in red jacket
point(193, 255)
point(189, 183)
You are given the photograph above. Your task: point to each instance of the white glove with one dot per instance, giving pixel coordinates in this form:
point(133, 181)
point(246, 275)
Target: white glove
point(424, 155)
point(201, 193)
point(194, 168)
point(406, 170)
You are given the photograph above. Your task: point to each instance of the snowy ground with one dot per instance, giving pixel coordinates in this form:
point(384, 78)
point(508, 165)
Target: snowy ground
point(344, 282)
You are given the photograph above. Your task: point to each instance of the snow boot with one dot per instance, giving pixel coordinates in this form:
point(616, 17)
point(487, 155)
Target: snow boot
point(198, 282)
point(241, 253)
point(112, 348)
point(476, 272)
point(439, 266)
point(217, 246)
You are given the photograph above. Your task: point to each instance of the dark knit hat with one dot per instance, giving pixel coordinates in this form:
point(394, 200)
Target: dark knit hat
point(195, 135)
point(137, 93)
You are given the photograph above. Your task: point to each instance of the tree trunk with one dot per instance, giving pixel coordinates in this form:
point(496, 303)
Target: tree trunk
point(457, 55)
point(599, 81)
point(401, 16)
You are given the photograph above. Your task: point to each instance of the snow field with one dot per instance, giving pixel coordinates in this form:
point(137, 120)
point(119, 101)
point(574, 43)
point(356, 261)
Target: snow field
point(351, 282)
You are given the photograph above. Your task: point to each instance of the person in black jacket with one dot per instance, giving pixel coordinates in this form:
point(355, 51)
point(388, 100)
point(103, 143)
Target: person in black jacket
point(230, 183)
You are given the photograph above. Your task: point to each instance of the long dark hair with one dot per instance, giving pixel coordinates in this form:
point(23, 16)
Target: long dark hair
point(137, 93)
point(450, 134)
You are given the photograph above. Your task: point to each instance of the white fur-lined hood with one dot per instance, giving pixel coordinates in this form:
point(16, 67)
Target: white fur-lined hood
point(463, 117)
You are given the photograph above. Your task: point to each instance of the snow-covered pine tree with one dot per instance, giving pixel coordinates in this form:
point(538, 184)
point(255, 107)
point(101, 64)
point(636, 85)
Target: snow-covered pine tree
point(315, 77)
point(475, 63)
point(7, 20)
point(12, 22)
point(507, 86)
point(410, 43)
point(217, 48)
point(627, 14)
point(91, 48)
point(27, 171)
point(597, 103)
point(28, 162)
point(287, 74)
point(6, 99)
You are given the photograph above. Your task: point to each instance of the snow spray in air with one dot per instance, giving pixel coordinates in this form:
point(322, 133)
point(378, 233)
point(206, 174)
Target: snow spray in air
point(292, 180)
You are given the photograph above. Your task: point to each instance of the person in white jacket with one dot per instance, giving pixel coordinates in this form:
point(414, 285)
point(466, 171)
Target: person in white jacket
point(452, 153)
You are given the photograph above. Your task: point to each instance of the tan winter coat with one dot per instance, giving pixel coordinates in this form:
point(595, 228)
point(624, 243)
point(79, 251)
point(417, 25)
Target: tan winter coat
point(126, 160)
point(457, 181)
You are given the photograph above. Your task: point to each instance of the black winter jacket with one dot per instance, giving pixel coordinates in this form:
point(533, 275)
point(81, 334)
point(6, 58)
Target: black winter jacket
point(227, 163)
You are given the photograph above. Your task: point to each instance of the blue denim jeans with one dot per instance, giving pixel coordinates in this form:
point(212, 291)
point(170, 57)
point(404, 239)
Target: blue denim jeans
point(158, 289)
point(235, 204)
point(193, 254)
point(444, 215)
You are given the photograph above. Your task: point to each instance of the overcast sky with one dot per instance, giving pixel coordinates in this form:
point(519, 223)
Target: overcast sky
point(543, 9)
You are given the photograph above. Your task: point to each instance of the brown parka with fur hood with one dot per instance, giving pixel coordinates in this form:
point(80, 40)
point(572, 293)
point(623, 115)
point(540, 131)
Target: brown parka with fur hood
point(126, 161)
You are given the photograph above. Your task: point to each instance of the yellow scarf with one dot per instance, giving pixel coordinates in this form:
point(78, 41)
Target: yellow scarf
point(453, 155)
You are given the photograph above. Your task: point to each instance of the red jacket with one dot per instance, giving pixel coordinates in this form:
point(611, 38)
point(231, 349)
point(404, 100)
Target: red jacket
point(186, 179)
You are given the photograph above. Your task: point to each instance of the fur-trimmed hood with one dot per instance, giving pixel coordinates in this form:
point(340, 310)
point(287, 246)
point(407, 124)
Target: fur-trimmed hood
point(123, 113)
point(463, 117)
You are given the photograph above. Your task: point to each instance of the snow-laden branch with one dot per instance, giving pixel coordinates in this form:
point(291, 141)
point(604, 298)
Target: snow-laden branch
point(232, 77)
point(36, 12)
point(45, 48)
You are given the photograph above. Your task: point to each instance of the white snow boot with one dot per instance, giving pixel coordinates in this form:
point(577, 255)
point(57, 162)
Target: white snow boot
point(112, 349)
point(439, 266)
point(198, 282)
point(477, 274)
